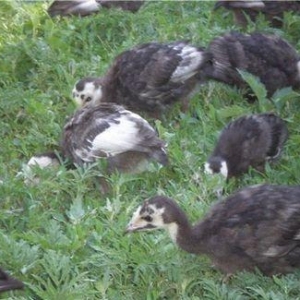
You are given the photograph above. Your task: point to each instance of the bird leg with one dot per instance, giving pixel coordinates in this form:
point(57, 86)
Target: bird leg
point(260, 168)
point(185, 105)
point(105, 187)
point(227, 278)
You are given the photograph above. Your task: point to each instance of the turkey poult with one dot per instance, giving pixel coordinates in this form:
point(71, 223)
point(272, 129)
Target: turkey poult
point(257, 227)
point(248, 141)
point(272, 59)
point(272, 10)
point(8, 283)
point(148, 78)
point(86, 7)
point(109, 131)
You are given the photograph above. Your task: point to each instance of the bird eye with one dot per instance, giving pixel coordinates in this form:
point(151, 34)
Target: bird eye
point(147, 218)
point(88, 99)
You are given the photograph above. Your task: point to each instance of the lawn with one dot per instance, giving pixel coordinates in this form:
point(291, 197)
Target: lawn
point(65, 239)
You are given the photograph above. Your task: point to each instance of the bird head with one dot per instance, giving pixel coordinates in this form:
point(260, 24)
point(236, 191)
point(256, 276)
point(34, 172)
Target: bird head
point(155, 213)
point(216, 165)
point(87, 91)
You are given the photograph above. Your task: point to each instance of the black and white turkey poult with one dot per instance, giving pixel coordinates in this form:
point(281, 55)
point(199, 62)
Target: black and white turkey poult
point(256, 227)
point(272, 10)
point(248, 141)
point(109, 131)
point(148, 78)
point(8, 283)
point(270, 58)
point(87, 7)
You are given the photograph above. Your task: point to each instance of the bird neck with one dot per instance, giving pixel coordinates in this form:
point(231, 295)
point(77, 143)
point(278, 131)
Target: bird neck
point(185, 236)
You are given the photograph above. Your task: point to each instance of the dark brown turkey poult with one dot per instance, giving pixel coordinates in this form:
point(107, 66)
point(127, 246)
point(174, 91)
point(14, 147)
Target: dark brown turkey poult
point(148, 78)
point(272, 10)
point(257, 227)
point(248, 141)
point(272, 59)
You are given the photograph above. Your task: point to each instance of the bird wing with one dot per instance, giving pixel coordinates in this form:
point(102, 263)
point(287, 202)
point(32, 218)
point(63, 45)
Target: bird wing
point(130, 132)
point(82, 128)
point(269, 229)
point(153, 66)
point(180, 61)
point(107, 130)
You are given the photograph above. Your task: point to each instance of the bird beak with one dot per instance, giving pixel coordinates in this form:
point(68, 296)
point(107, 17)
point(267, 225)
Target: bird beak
point(134, 223)
point(130, 228)
point(137, 223)
point(133, 228)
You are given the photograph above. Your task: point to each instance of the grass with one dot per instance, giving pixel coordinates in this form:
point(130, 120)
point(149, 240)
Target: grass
point(63, 238)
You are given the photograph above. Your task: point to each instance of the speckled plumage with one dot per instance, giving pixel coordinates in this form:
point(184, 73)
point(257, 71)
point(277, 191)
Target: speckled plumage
point(8, 283)
point(109, 131)
point(151, 77)
point(269, 57)
point(257, 227)
point(248, 141)
point(86, 7)
point(272, 10)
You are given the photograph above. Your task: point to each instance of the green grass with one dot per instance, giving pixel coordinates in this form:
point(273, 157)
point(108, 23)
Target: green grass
point(63, 238)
